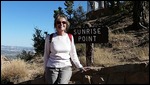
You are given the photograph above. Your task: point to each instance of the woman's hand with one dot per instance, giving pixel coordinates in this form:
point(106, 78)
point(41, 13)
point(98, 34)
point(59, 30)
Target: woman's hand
point(84, 69)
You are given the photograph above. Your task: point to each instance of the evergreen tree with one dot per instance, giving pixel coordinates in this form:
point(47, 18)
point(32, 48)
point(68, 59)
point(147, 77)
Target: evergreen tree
point(69, 8)
point(26, 55)
point(39, 41)
point(79, 16)
point(57, 12)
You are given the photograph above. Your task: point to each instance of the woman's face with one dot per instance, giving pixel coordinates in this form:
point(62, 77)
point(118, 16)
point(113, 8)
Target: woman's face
point(61, 25)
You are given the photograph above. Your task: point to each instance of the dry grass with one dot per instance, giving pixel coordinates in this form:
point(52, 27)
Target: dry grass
point(35, 67)
point(124, 50)
point(122, 40)
point(15, 71)
point(18, 71)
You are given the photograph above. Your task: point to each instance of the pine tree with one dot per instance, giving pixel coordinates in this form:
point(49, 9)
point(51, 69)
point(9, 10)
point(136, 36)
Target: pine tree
point(57, 12)
point(39, 41)
point(79, 16)
point(69, 8)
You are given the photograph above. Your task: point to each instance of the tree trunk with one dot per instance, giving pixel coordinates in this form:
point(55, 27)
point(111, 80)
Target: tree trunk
point(139, 15)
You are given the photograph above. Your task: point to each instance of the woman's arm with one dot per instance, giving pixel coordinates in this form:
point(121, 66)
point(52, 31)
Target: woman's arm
point(46, 50)
point(74, 56)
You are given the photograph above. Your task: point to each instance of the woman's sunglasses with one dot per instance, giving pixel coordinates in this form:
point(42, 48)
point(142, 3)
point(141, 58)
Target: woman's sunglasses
point(59, 22)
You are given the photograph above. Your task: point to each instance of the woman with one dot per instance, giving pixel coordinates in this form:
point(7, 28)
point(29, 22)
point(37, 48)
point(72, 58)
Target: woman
point(58, 52)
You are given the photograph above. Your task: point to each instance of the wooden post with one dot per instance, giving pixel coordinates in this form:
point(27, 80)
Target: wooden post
point(89, 50)
point(89, 54)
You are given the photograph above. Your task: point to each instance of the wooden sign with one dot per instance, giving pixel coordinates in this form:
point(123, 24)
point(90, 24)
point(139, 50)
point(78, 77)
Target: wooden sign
point(90, 35)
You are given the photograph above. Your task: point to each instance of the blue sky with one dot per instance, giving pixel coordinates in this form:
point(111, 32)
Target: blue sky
point(19, 18)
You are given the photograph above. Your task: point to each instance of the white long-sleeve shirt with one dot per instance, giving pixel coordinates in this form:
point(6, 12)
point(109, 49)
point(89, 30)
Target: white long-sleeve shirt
point(62, 49)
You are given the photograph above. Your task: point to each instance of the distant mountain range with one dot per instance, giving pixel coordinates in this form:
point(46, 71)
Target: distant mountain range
point(12, 51)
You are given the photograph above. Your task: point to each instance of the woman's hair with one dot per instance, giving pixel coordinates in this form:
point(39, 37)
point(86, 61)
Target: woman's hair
point(58, 17)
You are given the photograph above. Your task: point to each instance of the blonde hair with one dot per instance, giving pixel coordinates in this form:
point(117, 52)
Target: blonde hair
point(58, 17)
